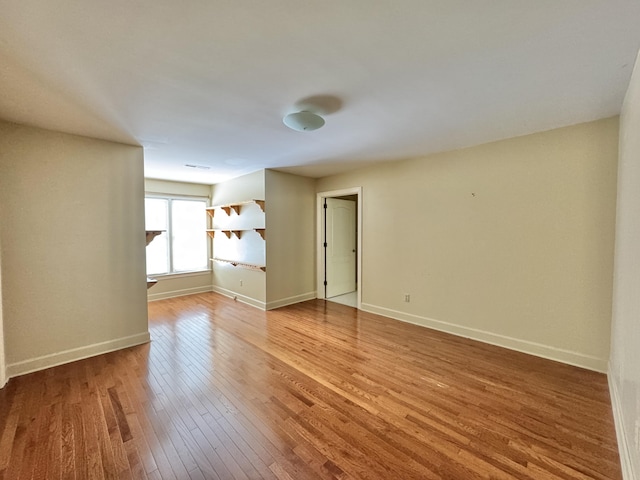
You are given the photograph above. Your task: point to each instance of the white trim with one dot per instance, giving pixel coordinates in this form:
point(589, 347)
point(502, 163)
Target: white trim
point(618, 418)
point(170, 276)
point(320, 232)
point(3, 366)
point(532, 348)
point(75, 354)
point(152, 297)
point(291, 300)
point(170, 198)
point(3, 371)
point(241, 298)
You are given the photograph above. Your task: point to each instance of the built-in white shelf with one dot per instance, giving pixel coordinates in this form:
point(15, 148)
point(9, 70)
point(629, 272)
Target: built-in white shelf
point(237, 232)
point(235, 207)
point(235, 263)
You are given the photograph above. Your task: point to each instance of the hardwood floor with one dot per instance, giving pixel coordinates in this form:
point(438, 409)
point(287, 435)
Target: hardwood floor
point(314, 390)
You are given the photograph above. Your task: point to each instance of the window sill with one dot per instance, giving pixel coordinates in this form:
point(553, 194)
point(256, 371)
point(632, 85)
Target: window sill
point(168, 276)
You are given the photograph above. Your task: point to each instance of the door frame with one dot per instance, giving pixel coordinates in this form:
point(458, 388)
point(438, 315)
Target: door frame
point(320, 239)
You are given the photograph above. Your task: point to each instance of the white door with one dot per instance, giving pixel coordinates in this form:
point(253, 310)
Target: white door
point(340, 251)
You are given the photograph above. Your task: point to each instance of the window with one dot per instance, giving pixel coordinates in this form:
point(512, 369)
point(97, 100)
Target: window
point(182, 247)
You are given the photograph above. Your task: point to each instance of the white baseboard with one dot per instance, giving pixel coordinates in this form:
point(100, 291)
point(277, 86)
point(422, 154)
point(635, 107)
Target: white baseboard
point(241, 298)
point(623, 445)
point(151, 297)
point(67, 356)
point(552, 353)
point(291, 300)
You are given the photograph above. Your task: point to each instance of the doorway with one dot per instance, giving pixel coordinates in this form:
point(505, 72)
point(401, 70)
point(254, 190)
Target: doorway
point(339, 246)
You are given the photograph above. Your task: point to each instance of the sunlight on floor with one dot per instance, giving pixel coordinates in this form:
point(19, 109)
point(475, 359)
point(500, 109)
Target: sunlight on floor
point(350, 299)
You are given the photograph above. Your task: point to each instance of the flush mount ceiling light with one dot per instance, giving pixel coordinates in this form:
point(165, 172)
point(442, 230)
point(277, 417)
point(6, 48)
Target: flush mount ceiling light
point(303, 121)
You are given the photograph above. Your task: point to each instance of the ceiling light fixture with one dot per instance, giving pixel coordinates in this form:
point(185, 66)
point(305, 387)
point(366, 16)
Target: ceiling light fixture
point(303, 121)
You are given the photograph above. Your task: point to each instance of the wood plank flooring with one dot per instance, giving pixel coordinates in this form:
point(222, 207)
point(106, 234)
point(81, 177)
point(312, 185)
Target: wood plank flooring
point(311, 391)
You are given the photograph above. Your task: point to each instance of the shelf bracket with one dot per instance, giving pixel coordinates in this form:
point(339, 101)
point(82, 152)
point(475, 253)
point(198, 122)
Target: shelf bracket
point(211, 232)
point(228, 208)
point(151, 234)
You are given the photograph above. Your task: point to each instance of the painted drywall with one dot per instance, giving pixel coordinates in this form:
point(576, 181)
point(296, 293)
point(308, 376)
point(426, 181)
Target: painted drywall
point(290, 223)
point(184, 284)
point(246, 285)
point(72, 247)
point(510, 242)
point(166, 187)
point(624, 367)
point(177, 285)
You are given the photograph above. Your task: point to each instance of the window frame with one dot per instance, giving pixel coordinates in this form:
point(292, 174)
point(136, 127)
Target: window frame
point(170, 198)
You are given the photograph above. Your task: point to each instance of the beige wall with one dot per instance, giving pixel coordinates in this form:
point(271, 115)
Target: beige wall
point(181, 284)
point(166, 187)
point(247, 285)
point(72, 247)
point(290, 222)
point(509, 242)
point(178, 285)
point(624, 368)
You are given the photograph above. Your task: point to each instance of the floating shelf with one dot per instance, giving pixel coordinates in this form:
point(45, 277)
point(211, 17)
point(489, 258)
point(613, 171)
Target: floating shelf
point(151, 234)
point(151, 282)
point(261, 231)
point(234, 206)
point(235, 263)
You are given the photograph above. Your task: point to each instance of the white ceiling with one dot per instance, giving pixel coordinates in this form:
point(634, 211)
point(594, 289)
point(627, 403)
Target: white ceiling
point(207, 82)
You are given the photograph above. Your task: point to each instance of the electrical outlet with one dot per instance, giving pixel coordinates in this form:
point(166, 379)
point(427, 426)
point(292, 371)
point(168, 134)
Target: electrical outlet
point(241, 283)
point(407, 297)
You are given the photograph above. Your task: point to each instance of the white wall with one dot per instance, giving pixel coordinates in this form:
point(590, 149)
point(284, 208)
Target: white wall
point(624, 368)
point(290, 222)
point(248, 286)
point(183, 284)
point(287, 252)
point(72, 247)
point(510, 243)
